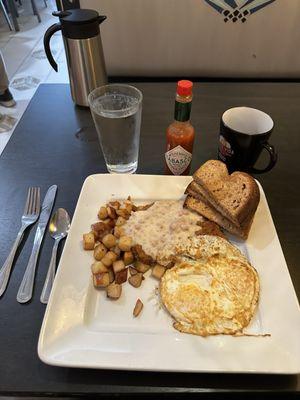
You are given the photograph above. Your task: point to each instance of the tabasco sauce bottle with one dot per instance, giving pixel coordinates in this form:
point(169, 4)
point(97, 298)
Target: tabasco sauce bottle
point(180, 134)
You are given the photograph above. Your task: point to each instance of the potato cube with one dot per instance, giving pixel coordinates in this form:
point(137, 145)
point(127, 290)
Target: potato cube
point(112, 255)
point(111, 275)
point(107, 261)
point(121, 276)
point(114, 291)
point(123, 213)
point(118, 266)
point(128, 257)
point(116, 250)
point(133, 271)
point(136, 280)
point(101, 280)
point(118, 231)
point(109, 258)
point(120, 221)
point(125, 243)
point(158, 271)
point(141, 267)
point(97, 267)
point(140, 255)
point(111, 212)
point(102, 213)
point(114, 204)
point(100, 227)
point(111, 224)
point(96, 236)
point(88, 241)
point(99, 251)
point(137, 308)
point(109, 240)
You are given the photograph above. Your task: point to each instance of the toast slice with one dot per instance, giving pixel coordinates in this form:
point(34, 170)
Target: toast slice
point(196, 191)
point(235, 196)
point(202, 208)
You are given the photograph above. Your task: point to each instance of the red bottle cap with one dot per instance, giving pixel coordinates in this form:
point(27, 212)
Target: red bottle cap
point(184, 88)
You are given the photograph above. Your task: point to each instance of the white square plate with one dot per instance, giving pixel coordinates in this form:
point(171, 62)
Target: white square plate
point(82, 328)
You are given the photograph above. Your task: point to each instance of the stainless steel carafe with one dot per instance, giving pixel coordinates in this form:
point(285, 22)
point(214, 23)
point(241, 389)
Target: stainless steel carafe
point(86, 65)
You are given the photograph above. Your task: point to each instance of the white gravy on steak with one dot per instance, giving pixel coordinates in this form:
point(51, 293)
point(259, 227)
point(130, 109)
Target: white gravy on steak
point(160, 228)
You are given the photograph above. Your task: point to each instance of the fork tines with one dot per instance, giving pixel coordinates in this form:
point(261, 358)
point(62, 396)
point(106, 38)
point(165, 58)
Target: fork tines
point(32, 205)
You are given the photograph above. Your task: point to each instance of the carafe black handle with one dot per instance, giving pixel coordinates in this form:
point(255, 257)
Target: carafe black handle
point(49, 33)
point(273, 159)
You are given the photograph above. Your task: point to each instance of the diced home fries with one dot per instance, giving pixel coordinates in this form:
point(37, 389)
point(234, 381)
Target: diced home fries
point(114, 253)
point(138, 308)
point(114, 290)
point(88, 241)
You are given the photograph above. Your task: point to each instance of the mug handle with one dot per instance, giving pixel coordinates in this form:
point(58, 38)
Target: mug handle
point(273, 159)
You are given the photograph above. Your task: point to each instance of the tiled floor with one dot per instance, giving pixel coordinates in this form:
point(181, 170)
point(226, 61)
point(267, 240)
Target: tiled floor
point(25, 58)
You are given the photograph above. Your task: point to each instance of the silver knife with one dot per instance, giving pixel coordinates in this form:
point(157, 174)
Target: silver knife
point(26, 287)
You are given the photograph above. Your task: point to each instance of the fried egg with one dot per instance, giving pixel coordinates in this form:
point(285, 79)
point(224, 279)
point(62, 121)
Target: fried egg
point(212, 289)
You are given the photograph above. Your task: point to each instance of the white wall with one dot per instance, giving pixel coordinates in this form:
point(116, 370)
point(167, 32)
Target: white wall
point(189, 37)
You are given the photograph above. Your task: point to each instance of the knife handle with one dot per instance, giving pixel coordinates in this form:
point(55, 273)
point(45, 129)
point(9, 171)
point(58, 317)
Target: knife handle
point(50, 275)
point(26, 287)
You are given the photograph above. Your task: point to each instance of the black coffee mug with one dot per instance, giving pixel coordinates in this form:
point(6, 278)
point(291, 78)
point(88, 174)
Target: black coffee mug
point(244, 133)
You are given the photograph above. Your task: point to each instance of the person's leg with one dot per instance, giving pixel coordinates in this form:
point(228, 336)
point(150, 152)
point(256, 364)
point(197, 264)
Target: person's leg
point(6, 98)
point(3, 75)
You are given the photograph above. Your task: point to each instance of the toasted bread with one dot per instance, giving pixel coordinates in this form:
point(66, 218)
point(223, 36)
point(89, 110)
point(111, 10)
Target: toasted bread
point(195, 190)
point(202, 208)
point(235, 196)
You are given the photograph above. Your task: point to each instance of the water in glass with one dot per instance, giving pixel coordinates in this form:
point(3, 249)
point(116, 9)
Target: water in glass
point(117, 118)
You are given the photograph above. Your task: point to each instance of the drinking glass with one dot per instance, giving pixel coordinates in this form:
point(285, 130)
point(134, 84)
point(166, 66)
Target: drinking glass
point(116, 111)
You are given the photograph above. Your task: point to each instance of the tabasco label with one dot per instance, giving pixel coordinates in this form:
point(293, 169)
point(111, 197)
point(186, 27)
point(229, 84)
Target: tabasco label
point(178, 159)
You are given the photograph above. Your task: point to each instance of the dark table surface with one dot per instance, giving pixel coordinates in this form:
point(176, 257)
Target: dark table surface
point(55, 143)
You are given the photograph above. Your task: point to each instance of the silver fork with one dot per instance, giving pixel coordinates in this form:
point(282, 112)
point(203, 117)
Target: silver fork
point(29, 217)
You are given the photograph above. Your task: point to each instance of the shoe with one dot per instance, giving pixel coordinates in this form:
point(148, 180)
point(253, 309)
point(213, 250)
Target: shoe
point(6, 99)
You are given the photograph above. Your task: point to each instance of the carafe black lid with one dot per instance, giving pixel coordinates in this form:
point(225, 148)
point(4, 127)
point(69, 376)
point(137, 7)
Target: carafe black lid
point(79, 23)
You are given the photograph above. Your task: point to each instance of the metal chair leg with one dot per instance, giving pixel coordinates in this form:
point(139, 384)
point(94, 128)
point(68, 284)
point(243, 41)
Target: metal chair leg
point(35, 10)
point(13, 13)
point(6, 15)
point(16, 10)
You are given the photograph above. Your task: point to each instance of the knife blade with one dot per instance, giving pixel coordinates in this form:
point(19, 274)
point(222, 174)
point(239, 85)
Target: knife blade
point(26, 286)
